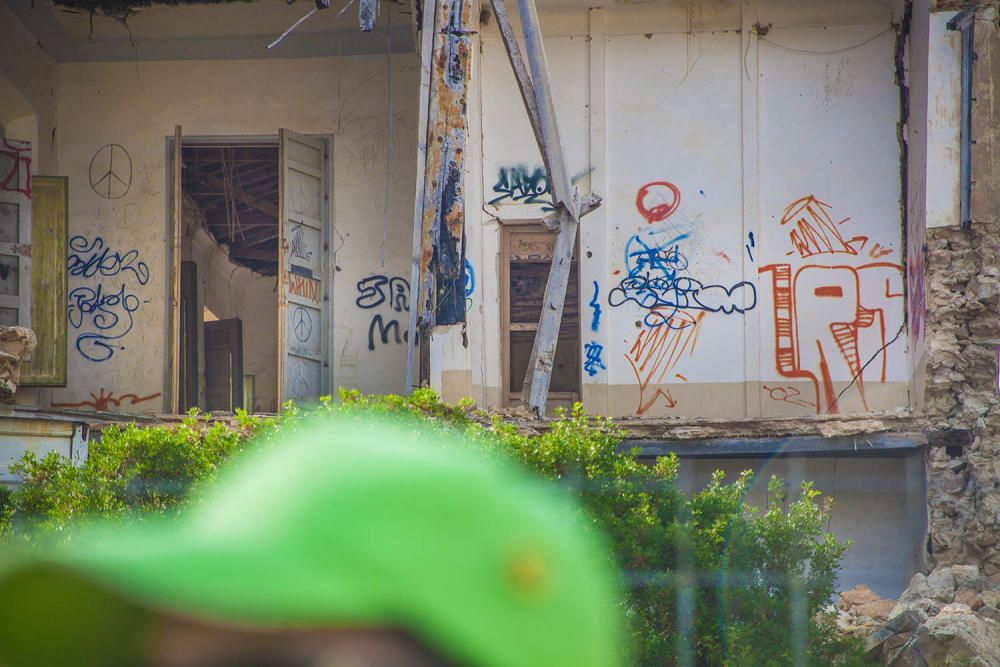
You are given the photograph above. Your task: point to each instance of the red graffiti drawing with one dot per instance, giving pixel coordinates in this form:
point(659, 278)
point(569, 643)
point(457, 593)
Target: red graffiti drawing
point(813, 231)
point(15, 166)
point(787, 395)
point(101, 402)
point(658, 349)
point(823, 324)
point(657, 201)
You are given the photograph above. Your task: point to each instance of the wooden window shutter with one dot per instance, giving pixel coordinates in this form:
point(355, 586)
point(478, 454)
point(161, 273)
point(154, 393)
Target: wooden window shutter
point(47, 367)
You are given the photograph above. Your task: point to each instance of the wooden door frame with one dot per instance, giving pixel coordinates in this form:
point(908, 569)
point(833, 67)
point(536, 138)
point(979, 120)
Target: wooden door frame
point(507, 229)
point(174, 237)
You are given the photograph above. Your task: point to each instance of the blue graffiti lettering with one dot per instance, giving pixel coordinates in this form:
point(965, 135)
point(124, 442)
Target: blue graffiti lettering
point(657, 281)
point(110, 314)
point(595, 320)
point(105, 314)
point(593, 362)
point(88, 259)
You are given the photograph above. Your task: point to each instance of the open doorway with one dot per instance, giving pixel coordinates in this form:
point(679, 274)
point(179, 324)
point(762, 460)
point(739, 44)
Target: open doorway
point(229, 292)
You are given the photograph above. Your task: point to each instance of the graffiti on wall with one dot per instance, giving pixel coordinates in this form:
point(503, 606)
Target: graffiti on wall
point(103, 311)
point(102, 401)
point(519, 185)
point(470, 285)
point(836, 315)
point(15, 166)
point(378, 290)
point(659, 280)
point(111, 171)
point(595, 305)
point(593, 362)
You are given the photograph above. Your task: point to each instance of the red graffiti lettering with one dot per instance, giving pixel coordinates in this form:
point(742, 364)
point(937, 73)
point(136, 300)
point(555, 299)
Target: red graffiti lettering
point(306, 288)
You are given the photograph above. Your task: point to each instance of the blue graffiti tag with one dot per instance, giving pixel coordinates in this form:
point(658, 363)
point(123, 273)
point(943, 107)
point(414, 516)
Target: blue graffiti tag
point(517, 184)
point(657, 281)
point(110, 314)
point(470, 279)
point(88, 259)
point(595, 320)
point(105, 313)
point(593, 360)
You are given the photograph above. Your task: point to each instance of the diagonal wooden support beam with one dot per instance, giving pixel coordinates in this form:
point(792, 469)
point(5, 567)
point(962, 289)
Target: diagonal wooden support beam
point(537, 98)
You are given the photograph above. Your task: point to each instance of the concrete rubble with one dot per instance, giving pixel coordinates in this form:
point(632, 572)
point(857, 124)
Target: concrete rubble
point(948, 617)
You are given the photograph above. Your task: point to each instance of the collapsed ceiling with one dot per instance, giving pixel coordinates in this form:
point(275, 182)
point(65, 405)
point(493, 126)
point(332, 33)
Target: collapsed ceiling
point(236, 188)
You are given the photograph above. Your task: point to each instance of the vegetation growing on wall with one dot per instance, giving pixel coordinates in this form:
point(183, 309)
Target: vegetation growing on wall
point(711, 581)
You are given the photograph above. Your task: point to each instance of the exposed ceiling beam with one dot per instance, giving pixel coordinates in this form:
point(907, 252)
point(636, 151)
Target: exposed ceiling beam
point(261, 205)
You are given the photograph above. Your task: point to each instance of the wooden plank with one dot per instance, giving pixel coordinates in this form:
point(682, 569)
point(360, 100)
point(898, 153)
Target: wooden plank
point(47, 367)
point(189, 329)
point(536, 382)
point(416, 283)
point(175, 276)
point(261, 205)
point(441, 294)
point(552, 152)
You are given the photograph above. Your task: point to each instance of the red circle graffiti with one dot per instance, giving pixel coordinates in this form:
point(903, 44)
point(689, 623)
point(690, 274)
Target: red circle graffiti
point(661, 211)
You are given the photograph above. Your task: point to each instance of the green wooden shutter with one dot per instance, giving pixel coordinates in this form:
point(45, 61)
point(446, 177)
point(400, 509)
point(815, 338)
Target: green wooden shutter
point(47, 368)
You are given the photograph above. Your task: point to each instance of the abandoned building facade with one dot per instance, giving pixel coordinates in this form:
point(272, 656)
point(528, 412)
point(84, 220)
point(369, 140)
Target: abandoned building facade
point(793, 266)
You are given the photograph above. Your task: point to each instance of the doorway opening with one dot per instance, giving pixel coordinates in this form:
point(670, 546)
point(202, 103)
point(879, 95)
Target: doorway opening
point(526, 258)
point(229, 291)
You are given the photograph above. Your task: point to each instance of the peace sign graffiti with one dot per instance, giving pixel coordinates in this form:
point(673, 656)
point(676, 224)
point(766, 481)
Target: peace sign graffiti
point(302, 324)
point(111, 171)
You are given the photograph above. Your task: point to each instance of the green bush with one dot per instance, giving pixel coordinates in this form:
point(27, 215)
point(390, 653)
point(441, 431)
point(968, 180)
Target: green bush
point(711, 580)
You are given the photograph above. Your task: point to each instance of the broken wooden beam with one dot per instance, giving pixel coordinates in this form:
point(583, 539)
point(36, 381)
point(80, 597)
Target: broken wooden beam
point(416, 268)
point(440, 288)
point(261, 205)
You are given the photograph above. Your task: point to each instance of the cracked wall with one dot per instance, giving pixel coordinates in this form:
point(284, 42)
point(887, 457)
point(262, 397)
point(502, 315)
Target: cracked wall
point(962, 339)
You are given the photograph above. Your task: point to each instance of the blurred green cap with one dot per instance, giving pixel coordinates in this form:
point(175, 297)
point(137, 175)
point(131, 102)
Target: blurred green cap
point(340, 523)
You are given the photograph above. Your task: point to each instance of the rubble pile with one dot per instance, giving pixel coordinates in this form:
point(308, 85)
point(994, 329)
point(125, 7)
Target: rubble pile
point(949, 617)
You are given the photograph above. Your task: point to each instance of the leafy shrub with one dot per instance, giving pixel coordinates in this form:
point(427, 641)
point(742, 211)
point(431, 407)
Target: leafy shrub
point(711, 580)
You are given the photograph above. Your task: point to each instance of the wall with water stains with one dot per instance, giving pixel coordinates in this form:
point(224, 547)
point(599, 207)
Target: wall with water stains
point(749, 257)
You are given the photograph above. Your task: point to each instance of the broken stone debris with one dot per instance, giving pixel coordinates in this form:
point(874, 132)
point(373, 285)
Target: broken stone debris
point(949, 617)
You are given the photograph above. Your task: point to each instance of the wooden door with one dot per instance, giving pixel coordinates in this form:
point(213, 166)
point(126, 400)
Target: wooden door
point(224, 365)
point(304, 265)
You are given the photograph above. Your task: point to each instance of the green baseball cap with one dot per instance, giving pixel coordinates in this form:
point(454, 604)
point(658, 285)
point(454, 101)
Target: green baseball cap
point(338, 523)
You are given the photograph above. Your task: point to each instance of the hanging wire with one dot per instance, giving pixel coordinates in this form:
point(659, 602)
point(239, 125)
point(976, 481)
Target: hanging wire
point(831, 52)
point(388, 152)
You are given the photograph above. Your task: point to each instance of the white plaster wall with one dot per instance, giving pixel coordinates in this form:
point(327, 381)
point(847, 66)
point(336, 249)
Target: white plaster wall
point(136, 105)
point(664, 105)
point(28, 82)
point(229, 290)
